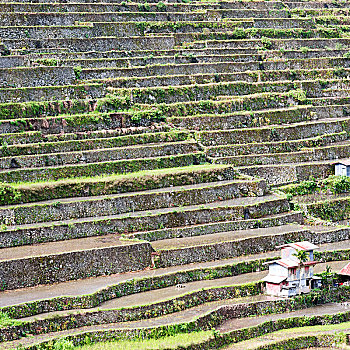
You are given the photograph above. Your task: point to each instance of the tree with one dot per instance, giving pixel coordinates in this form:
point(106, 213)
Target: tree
point(302, 256)
point(327, 277)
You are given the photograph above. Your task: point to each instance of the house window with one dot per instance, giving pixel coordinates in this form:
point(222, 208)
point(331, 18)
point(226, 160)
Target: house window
point(307, 269)
point(293, 271)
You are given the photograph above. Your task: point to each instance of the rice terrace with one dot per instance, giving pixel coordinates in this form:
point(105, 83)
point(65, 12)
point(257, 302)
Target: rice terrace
point(174, 174)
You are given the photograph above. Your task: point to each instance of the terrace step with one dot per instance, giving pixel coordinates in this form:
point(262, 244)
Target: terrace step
point(231, 210)
point(276, 44)
point(216, 227)
point(275, 147)
point(242, 119)
point(117, 184)
point(225, 245)
point(80, 207)
point(328, 152)
point(182, 316)
point(82, 119)
point(224, 4)
point(20, 139)
point(162, 42)
point(174, 159)
point(119, 29)
point(221, 75)
point(93, 143)
point(60, 261)
point(100, 6)
point(275, 133)
point(274, 174)
point(319, 63)
point(144, 56)
point(59, 57)
point(94, 156)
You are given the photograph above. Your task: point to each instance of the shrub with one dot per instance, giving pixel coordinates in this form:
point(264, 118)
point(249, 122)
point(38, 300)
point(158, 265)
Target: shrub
point(266, 43)
point(8, 194)
point(338, 184)
point(63, 345)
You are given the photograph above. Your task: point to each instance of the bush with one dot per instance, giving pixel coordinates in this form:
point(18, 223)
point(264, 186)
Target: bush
point(8, 194)
point(63, 345)
point(338, 184)
point(6, 320)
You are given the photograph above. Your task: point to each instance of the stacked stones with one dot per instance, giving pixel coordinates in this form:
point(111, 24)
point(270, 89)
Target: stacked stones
point(137, 135)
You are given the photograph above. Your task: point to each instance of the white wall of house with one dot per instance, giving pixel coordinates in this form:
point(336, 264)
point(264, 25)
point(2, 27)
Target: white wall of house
point(341, 170)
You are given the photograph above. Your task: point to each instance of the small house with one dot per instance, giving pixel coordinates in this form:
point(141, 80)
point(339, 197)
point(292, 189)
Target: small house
point(342, 168)
point(288, 276)
point(344, 274)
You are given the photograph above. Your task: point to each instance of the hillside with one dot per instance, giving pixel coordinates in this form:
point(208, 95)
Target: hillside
point(153, 157)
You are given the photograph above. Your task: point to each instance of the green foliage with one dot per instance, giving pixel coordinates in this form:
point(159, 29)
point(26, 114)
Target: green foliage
point(8, 194)
point(298, 95)
point(6, 320)
point(168, 342)
point(51, 62)
point(328, 277)
point(302, 256)
point(304, 49)
point(266, 43)
point(63, 345)
point(333, 185)
point(337, 184)
point(77, 71)
point(239, 33)
point(142, 117)
point(161, 6)
point(305, 187)
point(144, 7)
point(340, 72)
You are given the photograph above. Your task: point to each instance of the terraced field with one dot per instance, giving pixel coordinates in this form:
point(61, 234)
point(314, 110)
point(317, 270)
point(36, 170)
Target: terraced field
point(143, 150)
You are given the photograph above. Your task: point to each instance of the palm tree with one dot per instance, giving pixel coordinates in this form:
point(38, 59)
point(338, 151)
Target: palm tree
point(302, 256)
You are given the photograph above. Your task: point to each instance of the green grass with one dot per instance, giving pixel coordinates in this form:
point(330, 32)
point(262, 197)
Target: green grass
point(320, 328)
point(162, 343)
point(112, 177)
point(6, 320)
point(338, 329)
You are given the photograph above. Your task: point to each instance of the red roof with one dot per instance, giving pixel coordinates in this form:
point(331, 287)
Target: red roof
point(306, 263)
point(343, 161)
point(287, 263)
point(305, 245)
point(345, 270)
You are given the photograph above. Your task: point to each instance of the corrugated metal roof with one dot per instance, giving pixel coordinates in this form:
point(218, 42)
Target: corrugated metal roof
point(274, 279)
